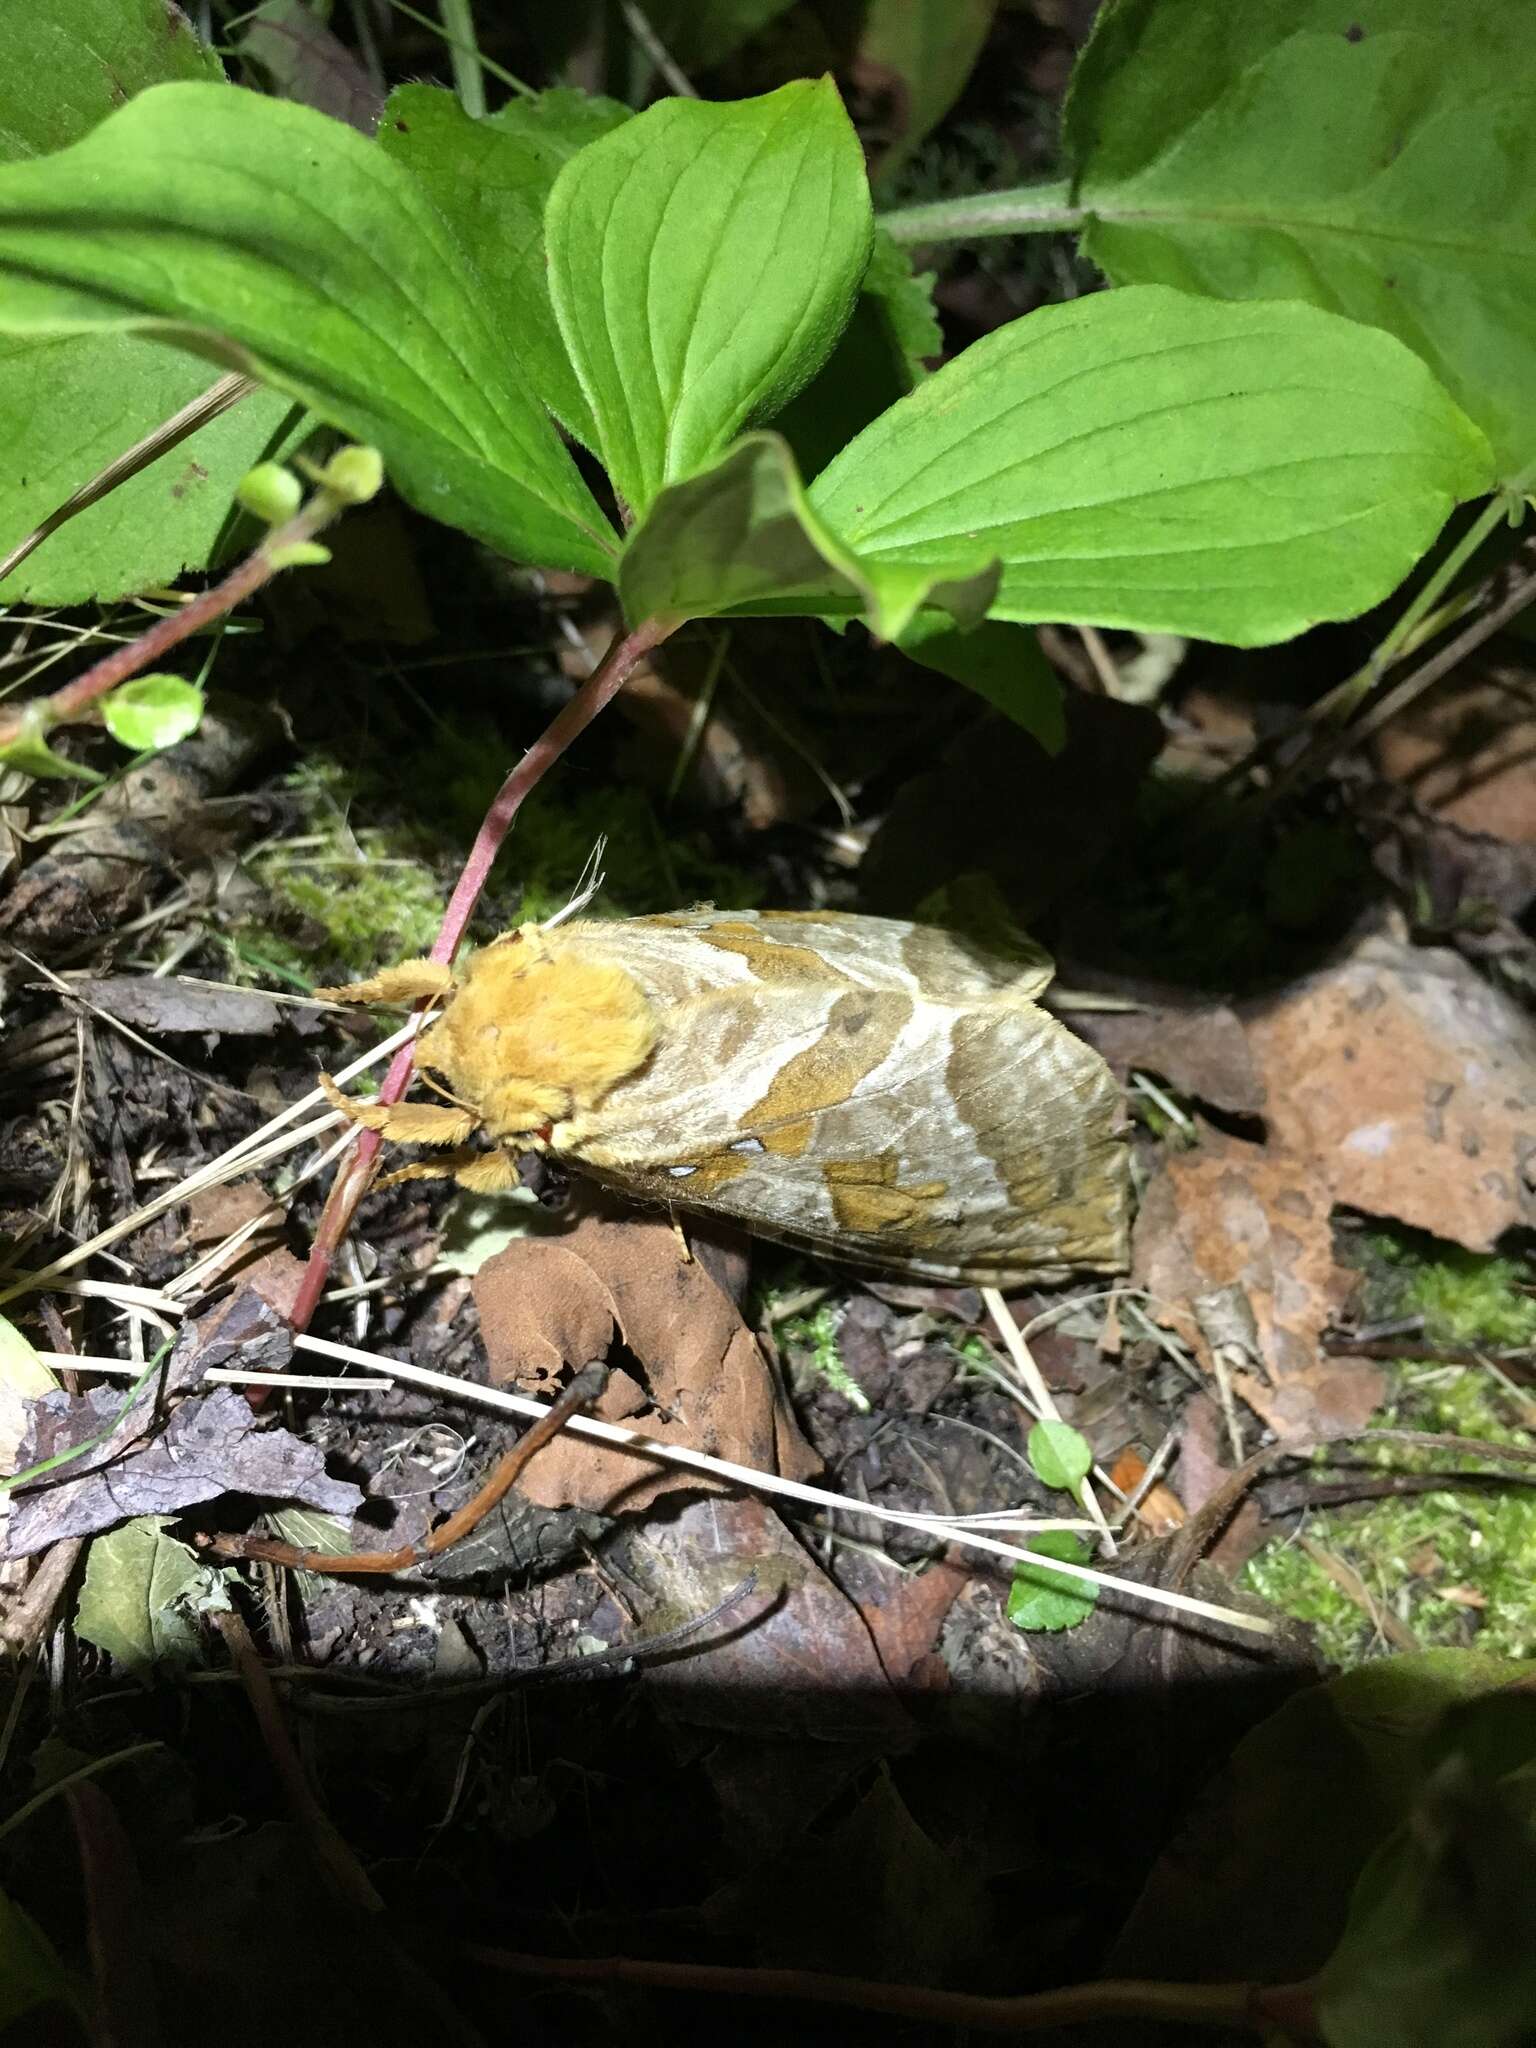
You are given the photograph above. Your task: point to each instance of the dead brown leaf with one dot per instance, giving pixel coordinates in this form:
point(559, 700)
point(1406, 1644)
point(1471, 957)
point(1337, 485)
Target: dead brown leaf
point(1410, 1082)
point(1256, 1219)
point(557, 1303)
point(796, 1654)
point(1197, 1045)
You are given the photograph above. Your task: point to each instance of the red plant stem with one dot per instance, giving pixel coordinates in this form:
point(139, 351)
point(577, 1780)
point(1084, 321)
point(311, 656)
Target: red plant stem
point(242, 582)
point(1261, 2008)
point(351, 1183)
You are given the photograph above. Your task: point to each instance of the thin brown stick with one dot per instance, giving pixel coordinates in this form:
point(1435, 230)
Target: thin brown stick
point(1261, 2008)
point(600, 688)
point(586, 1387)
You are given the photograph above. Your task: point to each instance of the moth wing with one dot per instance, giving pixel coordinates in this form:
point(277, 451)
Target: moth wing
point(978, 1141)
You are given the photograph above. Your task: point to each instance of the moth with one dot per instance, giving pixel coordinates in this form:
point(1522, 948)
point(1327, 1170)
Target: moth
point(858, 1087)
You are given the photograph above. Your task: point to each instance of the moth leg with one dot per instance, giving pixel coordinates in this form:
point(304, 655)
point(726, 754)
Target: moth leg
point(408, 981)
point(481, 1173)
point(405, 1123)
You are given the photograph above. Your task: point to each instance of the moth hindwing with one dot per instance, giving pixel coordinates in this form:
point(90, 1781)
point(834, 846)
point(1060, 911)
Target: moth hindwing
point(857, 1086)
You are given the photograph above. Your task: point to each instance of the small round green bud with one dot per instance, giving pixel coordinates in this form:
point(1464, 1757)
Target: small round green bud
point(355, 474)
point(270, 493)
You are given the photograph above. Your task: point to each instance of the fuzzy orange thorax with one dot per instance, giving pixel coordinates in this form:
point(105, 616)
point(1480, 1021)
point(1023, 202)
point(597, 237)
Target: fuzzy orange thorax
point(539, 1028)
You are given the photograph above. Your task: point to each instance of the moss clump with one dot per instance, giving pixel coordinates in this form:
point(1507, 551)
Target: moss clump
point(813, 1341)
point(1458, 1566)
point(343, 901)
point(1464, 1297)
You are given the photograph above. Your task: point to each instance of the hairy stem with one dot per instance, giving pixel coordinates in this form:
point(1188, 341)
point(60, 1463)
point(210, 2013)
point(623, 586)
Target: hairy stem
point(242, 582)
point(1027, 210)
point(604, 683)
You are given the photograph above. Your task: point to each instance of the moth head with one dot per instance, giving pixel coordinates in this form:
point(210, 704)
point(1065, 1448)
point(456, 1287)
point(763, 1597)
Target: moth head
point(540, 1027)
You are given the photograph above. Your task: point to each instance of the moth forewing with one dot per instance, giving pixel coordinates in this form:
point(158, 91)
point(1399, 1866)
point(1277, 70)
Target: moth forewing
point(862, 1087)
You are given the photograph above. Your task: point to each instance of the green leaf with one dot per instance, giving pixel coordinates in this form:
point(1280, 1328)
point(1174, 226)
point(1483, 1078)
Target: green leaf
point(31, 1975)
point(703, 259)
point(141, 1593)
point(1437, 1948)
point(917, 54)
point(308, 257)
point(1042, 1599)
point(70, 406)
point(1060, 1455)
point(1376, 160)
point(309, 1529)
point(489, 180)
point(1148, 459)
point(153, 712)
point(21, 1370)
point(741, 538)
point(1000, 662)
point(30, 752)
point(879, 357)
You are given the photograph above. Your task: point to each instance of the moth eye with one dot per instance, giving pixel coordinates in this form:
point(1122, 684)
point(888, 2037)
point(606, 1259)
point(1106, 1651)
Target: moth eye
point(748, 1145)
point(681, 1172)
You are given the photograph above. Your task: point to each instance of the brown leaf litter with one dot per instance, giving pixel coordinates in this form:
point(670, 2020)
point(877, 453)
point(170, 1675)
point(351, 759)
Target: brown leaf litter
point(694, 1374)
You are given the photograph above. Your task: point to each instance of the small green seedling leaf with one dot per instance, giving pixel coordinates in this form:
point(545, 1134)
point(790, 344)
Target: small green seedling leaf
point(1148, 459)
point(270, 492)
point(310, 257)
point(1042, 1599)
point(1379, 163)
point(741, 538)
point(702, 261)
point(354, 475)
point(1060, 1455)
point(30, 752)
point(153, 712)
point(142, 1593)
point(299, 554)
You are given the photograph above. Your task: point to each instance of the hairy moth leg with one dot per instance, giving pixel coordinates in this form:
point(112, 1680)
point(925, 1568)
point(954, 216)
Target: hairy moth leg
point(408, 981)
point(405, 1123)
point(480, 1173)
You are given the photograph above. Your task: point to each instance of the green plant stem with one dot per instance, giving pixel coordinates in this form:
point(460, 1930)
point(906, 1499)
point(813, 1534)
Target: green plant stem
point(354, 1176)
point(90, 1770)
point(1402, 638)
point(1026, 210)
point(464, 52)
point(1261, 2008)
point(98, 1438)
point(209, 606)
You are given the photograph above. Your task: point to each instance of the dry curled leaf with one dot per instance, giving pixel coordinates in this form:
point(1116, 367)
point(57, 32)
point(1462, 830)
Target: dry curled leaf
point(548, 1304)
point(1410, 1083)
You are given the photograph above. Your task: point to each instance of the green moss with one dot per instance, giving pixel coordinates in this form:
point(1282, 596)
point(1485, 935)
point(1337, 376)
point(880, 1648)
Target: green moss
point(345, 899)
point(1464, 1297)
point(1422, 1555)
point(813, 1339)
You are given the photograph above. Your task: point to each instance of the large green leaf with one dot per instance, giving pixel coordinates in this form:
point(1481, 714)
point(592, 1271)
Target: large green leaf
point(703, 260)
point(142, 1593)
point(1147, 459)
point(70, 406)
point(490, 180)
point(269, 237)
point(1378, 159)
point(740, 538)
